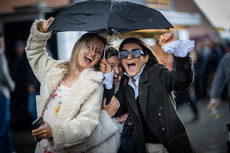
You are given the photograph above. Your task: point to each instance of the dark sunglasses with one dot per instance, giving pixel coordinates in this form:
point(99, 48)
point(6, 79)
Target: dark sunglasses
point(135, 53)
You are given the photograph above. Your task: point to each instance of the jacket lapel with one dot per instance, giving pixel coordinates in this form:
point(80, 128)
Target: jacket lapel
point(130, 98)
point(143, 92)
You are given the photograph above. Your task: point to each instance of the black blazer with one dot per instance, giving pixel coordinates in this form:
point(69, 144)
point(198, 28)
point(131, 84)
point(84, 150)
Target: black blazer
point(157, 103)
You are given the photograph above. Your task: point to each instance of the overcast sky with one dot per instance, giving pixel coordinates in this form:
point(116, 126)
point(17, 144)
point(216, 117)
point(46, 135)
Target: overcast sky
point(218, 11)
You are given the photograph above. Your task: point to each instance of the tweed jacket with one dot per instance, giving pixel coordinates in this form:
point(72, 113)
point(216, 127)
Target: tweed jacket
point(80, 111)
point(6, 82)
point(157, 105)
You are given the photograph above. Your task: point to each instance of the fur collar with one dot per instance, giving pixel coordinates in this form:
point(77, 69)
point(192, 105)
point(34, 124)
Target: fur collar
point(88, 81)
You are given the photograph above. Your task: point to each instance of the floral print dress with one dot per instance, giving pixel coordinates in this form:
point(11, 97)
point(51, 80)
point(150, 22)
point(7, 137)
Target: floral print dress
point(50, 115)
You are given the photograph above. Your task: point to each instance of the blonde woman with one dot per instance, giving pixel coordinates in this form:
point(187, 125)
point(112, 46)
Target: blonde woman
point(71, 92)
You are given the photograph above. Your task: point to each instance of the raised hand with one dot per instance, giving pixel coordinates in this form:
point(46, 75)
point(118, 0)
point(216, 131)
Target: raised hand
point(44, 27)
point(166, 38)
point(105, 66)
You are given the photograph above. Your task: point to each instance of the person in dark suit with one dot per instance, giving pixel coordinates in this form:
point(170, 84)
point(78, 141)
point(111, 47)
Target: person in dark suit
point(148, 96)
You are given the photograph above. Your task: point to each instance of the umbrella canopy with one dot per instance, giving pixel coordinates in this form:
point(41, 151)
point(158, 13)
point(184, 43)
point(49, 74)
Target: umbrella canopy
point(106, 16)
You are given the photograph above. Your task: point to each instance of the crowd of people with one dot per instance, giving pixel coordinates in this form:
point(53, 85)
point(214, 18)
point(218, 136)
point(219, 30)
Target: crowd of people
point(124, 103)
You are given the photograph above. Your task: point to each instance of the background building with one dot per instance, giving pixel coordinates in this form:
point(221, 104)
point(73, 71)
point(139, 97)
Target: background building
point(188, 20)
point(16, 18)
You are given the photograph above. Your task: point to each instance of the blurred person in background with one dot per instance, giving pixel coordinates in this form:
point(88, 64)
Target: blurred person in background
point(203, 51)
point(33, 90)
point(188, 97)
point(6, 85)
point(214, 59)
point(227, 48)
point(19, 71)
point(213, 62)
point(221, 79)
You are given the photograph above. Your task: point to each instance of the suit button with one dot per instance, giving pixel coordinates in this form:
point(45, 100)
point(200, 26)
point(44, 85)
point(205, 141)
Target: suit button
point(168, 144)
point(159, 114)
point(163, 129)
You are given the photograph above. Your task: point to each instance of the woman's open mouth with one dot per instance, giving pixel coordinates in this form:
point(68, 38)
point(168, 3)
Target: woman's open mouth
point(88, 60)
point(116, 78)
point(131, 66)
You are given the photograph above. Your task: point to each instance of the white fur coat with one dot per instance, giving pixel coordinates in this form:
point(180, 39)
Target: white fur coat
point(79, 113)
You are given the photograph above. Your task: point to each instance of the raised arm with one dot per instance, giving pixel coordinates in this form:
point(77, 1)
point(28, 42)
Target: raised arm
point(182, 76)
point(35, 49)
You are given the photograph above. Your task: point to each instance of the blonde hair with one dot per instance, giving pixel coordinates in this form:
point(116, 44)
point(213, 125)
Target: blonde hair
point(82, 42)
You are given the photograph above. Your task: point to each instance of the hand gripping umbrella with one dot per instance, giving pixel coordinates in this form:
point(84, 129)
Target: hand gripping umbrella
point(108, 16)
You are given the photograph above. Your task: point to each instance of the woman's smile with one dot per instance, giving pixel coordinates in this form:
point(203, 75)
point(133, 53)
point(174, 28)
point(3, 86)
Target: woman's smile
point(88, 59)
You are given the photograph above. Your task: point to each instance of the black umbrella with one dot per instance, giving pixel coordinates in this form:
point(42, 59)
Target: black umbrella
point(108, 17)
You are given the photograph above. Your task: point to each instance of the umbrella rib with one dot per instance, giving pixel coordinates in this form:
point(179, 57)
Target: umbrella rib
point(106, 33)
point(110, 11)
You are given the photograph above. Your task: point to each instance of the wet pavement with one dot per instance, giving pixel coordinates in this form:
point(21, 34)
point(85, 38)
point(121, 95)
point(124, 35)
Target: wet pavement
point(207, 135)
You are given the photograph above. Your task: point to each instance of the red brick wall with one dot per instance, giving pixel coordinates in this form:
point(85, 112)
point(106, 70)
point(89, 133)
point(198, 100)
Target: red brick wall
point(7, 6)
